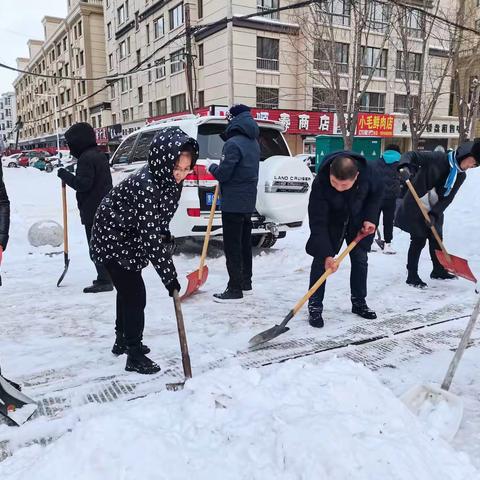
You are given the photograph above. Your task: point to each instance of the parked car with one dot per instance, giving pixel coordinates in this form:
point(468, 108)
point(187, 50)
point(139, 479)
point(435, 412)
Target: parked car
point(11, 161)
point(309, 160)
point(26, 157)
point(283, 186)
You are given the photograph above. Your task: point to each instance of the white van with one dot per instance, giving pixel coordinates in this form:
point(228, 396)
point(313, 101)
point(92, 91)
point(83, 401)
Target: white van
point(283, 186)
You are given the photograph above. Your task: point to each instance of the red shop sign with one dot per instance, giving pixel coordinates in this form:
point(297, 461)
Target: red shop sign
point(375, 125)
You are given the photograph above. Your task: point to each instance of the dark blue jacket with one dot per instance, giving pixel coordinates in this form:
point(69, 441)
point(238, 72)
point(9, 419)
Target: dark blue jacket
point(387, 169)
point(237, 172)
point(335, 216)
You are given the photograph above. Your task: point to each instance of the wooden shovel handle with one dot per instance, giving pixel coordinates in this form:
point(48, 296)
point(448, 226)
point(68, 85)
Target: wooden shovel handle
point(328, 272)
point(427, 219)
point(182, 336)
point(209, 230)
point(65, 218)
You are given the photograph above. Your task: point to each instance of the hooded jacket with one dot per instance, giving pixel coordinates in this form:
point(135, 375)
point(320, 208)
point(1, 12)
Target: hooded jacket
point(237, 172)
point(133, 219)
point(93, 179)
point(335, 216)
point(386, 167)
point(432, 169)
point(4, 212)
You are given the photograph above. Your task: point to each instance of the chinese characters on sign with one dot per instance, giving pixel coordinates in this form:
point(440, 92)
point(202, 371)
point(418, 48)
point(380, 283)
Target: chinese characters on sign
point(436, 128)
point(375, 125)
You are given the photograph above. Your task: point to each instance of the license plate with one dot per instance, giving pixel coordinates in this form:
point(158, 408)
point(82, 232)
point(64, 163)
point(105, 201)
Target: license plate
point(209, 197)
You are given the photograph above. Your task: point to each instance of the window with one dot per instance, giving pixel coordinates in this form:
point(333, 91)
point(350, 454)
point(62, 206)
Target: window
point(176, 61)
point(125, 116)
point(179, 103)
point(109, 30)
point(112, 91)
point(140, 95)
point(378, 16)
point(373, 102)
point(110, 61)
point(160, 70)
point(412, 68)
point(123, 50)
point(161, 106)
point(123, 152)
point(415, 21)
point(321, 57)
point(142, 147)
point(67, 65)
point(139, 56)
point(121, 14)
point(150, 109)
point(82, 60)
point(175, 16)
point(64, 41)
point(94, 122)
point(123, 84)
point(99, 120)
point(267, 53)
point(201, 99)
point(137, 21)
point(200, 9)
point(59, 49)
point(158, 27)
point(265, 5)
point(149, 72)
point(128, 45)
point(80, 28)
point(84, 87)
point(267, 97)
point(68, 95)
point(201, 59)
point(338, 11)
point(372, 64)
point(324, 99)
point(147, 31)
point(400, 103)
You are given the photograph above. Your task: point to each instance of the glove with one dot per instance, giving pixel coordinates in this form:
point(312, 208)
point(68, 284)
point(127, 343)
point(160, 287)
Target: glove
point(433, 220)
point(209, 163)
point(169, 242)
point(404, 173)
point(62, 173)
point(172, 286)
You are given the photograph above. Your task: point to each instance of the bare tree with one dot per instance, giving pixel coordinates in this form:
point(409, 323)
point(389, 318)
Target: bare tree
point(344, 61)
point(424, 60)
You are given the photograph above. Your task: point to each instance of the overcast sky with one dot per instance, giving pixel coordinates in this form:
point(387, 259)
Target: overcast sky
point(20, 21)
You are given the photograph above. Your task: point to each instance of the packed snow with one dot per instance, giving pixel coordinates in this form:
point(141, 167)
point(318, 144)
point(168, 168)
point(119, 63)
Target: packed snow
point(315, 417)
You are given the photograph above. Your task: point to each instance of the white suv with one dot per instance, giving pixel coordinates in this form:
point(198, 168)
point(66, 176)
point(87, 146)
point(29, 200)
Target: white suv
point(283, 185)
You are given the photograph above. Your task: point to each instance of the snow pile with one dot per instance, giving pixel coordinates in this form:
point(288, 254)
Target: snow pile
point(46, 232)
point(290, 421)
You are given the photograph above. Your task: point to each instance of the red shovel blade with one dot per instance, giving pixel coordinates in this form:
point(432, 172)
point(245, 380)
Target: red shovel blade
point(195, 282)
point(457, 266)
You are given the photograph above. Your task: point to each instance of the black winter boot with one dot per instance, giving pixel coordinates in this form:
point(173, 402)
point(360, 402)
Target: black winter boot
point(228, 296)
point(442, 274)
point(120, 346)
point(138, 362)
point(415, 281)
point(359, 307)
point(98, 287)
point(316, 320)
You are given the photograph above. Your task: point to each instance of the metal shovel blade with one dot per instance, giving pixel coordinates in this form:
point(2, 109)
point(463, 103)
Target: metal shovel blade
point(195, 282)
point(457, 266)
point(267, 335)
point(175, 387)
point(62, 276)
point(437, 407)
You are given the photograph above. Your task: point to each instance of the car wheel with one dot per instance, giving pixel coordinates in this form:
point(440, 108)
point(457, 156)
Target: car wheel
point(49, 168)
point(267, 240)
point(12, 165)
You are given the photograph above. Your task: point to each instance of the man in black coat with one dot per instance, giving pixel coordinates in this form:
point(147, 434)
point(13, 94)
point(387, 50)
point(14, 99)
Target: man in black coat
point(4, 213)
point(131, 229)
point(387, 170)
point(436, 177)
point(237, 174)
point(92, 182)
point(345, 199)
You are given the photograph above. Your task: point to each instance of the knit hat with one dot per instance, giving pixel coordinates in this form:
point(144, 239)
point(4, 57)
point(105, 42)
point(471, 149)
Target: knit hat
point(238, 109)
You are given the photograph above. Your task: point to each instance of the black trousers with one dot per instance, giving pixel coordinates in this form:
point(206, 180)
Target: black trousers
point(358, 279)
point(388, 210)
point(102, 273)
point(237, 245)
point(131, 302)
point(416, 246)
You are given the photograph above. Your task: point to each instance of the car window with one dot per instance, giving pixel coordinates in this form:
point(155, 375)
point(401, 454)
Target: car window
point(123, 152)
point(211, 144)
point(143, 146)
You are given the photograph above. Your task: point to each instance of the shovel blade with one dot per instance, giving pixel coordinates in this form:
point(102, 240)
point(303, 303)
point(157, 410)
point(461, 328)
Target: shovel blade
point(438, 408)
point(195, 282)
point(175, 387)
point(62, 276)
point(457, 266)
point(267, 335)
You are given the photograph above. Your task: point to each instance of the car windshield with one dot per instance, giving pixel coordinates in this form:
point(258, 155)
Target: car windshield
point(211, 144)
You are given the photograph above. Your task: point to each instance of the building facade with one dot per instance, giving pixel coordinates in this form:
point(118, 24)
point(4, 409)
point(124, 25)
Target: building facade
point(72, 47)
point(7, 119)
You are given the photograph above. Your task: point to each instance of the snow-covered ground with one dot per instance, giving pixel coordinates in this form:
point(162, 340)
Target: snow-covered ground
point(315, 417)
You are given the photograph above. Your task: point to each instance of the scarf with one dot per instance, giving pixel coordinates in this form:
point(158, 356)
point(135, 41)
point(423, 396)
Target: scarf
point(452, 176)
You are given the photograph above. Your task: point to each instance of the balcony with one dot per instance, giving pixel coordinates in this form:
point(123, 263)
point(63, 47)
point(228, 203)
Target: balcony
point(267, 64)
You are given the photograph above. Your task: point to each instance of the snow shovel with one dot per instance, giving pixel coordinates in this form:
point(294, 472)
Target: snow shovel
point(436, 405)
point(455, 265)
point(379, 241)
point(65, 234)
point(277, 330)
point(187, 368)
point(198, 277)
point(15, 405)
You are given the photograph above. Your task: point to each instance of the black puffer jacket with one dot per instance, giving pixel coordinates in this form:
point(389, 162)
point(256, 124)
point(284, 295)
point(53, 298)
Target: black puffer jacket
point(238, 170)
point(335, 215)
point(432, 169)
point(4, 212)
point(93, 179)
point(133, 218)
point(389, 177)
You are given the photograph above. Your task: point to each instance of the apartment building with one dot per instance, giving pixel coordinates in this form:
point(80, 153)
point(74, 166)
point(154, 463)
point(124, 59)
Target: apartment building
point(7, 119)
point(72, 47)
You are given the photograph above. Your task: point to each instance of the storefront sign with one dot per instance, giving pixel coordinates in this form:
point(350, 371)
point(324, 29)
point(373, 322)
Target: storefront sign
point(436, 128)
point(375, 125)
point(105, 135)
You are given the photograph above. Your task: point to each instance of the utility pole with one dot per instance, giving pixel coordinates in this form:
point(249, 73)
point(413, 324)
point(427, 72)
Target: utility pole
point(189, 63)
